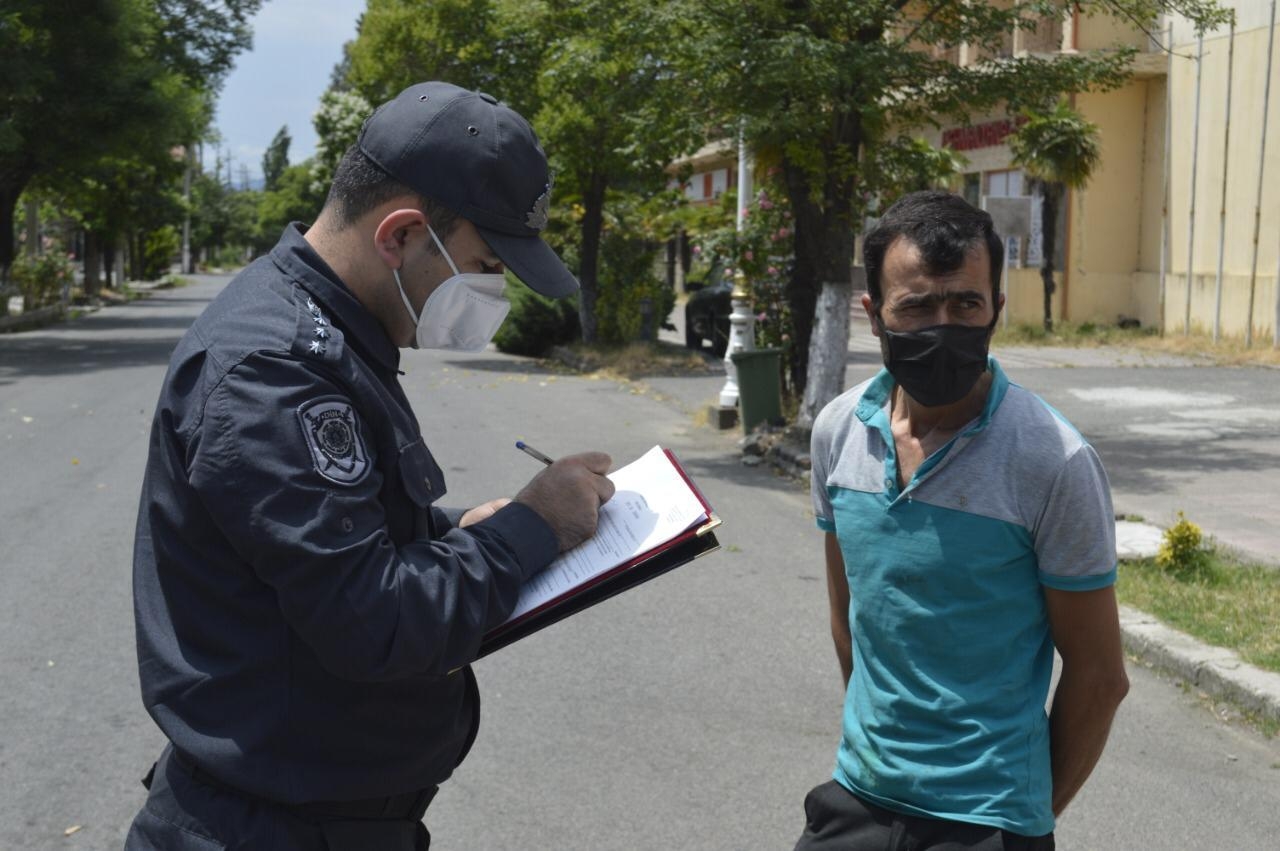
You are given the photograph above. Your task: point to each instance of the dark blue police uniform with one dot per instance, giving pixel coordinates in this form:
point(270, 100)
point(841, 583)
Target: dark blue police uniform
point(305, 613)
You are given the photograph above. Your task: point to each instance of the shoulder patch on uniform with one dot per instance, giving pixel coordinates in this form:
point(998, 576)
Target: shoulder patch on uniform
point(333, 434)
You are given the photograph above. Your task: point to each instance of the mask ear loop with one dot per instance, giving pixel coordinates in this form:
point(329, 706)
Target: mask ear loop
point(405, 298)
point(440, 245)
point(400, 285)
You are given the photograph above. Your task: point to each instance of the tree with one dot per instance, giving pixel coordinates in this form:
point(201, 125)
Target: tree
point(337, 122)
point(402, 42)
point(276, 159)
point(612, 110)
point(91, 79)
point(1058, 149)
point(292, 199)
point(594, 76)
point(833, 84)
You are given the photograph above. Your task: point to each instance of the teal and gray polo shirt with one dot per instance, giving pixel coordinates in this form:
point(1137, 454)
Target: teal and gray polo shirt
point(944, 716)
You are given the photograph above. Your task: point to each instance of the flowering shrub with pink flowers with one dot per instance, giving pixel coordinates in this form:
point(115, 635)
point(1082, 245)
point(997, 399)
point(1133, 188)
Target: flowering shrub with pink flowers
point(764, 251)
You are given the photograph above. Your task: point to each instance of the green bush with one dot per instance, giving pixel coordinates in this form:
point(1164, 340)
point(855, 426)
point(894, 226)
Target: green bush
point(158, 251)
point(1182, 552)
point(536, 323)
point(41, 279)
point(627, 279)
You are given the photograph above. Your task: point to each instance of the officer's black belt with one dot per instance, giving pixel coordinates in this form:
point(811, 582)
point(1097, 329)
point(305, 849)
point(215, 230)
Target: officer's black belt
point(409, 806)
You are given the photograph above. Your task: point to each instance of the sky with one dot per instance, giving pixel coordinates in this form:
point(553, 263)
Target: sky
point(278, 83)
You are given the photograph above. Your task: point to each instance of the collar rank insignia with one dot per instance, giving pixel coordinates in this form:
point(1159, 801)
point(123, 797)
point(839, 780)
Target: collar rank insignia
point(537, 218)
point(333, 435)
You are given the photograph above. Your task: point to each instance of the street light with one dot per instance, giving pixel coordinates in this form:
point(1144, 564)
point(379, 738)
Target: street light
point(742, 335)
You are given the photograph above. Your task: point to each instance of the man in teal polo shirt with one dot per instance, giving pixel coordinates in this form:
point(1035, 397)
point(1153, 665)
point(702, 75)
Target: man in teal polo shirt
point(969, 532)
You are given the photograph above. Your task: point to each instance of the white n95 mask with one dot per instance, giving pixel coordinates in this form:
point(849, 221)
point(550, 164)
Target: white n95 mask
point(463, 313)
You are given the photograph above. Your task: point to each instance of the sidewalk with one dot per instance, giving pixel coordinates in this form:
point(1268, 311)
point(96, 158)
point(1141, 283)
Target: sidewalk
point(1218, 672)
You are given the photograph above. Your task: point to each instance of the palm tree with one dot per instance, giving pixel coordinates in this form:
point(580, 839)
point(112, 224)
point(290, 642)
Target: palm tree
point(1058, 149)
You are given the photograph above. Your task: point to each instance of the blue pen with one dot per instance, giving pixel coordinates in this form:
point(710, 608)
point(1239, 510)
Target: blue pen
point(533, 453)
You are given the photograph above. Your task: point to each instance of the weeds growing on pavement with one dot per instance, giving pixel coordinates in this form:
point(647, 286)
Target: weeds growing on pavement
point(1224, 603)
point(1228, 351)
point(636, 360)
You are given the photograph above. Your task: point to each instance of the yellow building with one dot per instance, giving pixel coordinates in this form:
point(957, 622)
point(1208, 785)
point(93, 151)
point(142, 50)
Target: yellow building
point(1121, 257)
point(1115, 229)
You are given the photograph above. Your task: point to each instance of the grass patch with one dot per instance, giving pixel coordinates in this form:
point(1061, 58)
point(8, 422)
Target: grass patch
point(172, 282)
point(637, 360)
point(1228, 351)
point(1073, 334)
point(1226, 604)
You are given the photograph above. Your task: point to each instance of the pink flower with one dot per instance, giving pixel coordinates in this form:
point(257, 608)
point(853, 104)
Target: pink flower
point(766, 204)
point(786, 214)
point(760, 317)
point(750, 255)
point(773, 270)
point(697, 249)
point(783, 233)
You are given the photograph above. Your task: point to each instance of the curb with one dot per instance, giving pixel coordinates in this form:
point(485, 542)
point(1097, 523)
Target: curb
point(1217, 671)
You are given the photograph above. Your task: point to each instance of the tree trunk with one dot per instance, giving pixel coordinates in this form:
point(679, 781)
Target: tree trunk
point(136, 258)
point(92, 264)
point(1051, 193)
point(802, 284)
point(828, 350)
point(821, 281)
point(589, 272)
point(33, 228)
point(109, 263)
point(11, 187)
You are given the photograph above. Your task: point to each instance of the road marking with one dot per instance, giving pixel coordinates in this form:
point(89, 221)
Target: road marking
point(1145, 397)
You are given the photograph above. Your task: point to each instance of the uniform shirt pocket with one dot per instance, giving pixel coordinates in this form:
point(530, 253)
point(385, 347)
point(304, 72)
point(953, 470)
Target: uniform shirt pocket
point(423, 483)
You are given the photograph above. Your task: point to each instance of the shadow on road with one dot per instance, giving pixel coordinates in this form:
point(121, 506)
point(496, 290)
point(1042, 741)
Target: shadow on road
point(1142, 463)
point(81, 354)
point(729, 468)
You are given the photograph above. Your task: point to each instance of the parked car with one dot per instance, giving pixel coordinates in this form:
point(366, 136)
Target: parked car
point(706, 314)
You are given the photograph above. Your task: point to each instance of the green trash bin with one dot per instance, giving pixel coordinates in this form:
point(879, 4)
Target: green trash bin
point(759, 386)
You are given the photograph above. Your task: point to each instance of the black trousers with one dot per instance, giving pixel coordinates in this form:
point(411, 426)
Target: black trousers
point(186, 810)
point(837, 820)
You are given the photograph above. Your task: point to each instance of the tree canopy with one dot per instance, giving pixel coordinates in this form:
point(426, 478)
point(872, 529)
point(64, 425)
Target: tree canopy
point(276, 159)
point(89, 82)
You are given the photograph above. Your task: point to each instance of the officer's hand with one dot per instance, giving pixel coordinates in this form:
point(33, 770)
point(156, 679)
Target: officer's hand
point(568, 495)
point(482, 512)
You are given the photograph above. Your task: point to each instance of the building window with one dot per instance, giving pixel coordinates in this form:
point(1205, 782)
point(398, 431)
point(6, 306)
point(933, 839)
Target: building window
point(719, 182)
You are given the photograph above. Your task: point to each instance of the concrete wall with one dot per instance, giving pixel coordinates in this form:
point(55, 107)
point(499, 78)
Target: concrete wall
point(1100, 32)
point(1232, 233)
point(1024, 297)
point(1106, 216)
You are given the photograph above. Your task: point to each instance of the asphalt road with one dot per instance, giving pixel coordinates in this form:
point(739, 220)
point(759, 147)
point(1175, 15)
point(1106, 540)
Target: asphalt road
point(692, 713)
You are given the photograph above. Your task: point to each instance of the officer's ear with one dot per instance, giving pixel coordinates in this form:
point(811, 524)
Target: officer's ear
point(390, 235)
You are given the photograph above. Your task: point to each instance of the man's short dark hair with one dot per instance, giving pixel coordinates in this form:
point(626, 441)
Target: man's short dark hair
point(943, 226)
point(359, 186)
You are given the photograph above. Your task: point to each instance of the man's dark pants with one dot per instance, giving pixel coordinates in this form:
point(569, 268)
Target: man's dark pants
point(187, 810)
point(837, 820)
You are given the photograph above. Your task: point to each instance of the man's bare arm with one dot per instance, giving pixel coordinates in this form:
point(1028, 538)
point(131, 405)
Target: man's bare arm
point(838, 597)
point(1086, 631)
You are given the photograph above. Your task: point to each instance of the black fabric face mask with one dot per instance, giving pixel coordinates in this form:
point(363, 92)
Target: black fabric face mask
point(937, 365)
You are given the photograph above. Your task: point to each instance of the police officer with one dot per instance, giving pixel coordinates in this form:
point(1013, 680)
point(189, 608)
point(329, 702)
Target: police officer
point(305, 612)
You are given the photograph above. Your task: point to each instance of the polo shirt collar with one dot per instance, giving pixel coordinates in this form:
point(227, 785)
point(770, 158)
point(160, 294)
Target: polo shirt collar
point(297, 259)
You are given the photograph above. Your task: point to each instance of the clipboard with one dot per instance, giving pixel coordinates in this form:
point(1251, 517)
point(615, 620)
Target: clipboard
point(691, 544)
